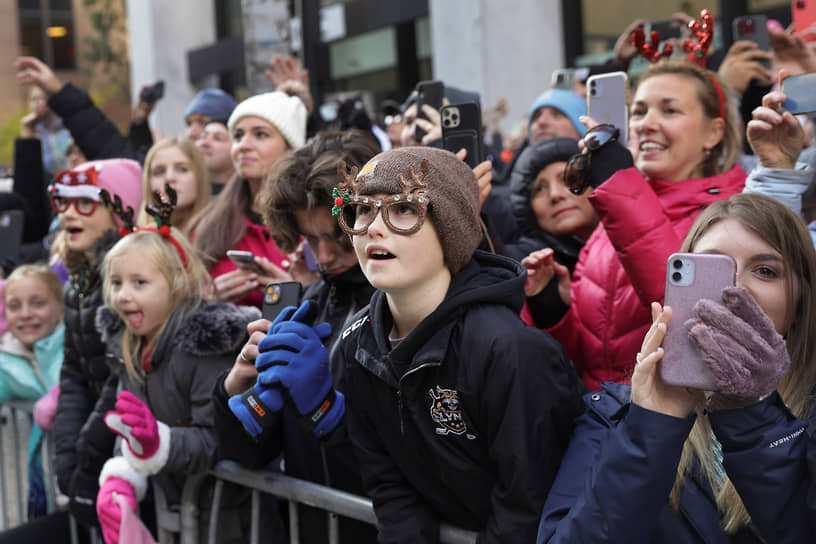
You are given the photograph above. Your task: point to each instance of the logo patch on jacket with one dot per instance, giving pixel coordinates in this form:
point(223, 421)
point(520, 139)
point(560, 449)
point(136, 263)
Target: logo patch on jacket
point(447, 413)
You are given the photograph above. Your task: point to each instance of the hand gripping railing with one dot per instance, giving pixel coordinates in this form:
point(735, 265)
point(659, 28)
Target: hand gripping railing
point(333, 501)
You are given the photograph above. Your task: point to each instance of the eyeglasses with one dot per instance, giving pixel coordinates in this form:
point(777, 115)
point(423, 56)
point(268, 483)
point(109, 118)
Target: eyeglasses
point(403, 215)
point(576, 174)
point(83, 205)
point(389, 119)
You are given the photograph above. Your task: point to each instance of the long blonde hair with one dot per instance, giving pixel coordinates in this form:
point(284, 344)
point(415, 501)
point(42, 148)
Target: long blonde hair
point(186, 283)
point(200, 173)
point(780, 228)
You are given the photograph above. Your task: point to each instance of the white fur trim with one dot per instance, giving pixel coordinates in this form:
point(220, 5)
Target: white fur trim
point(87, 191)
point(153, 464)
point(118, 467)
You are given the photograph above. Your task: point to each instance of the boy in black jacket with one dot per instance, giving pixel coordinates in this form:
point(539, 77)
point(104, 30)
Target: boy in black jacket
point(458, 411)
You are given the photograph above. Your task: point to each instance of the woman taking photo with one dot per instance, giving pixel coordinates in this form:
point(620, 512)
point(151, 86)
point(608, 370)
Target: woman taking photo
point(707, 467)
point(263, 129)
point(683, 142)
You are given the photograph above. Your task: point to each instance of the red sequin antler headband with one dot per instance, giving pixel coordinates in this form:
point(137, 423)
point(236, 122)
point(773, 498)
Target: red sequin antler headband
point(702, 32)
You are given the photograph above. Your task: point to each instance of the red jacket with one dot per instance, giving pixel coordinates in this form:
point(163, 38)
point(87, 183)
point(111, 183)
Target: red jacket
point(260, 243)
point(622, 267)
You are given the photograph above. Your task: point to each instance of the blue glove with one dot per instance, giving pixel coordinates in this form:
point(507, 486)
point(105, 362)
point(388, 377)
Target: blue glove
point(293, 356)
point(255, 408)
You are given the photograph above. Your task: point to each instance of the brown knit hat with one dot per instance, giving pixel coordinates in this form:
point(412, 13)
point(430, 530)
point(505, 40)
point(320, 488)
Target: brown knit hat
point(453, 195)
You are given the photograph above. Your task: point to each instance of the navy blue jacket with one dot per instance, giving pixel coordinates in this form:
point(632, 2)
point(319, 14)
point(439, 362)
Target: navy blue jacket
point(616, 476)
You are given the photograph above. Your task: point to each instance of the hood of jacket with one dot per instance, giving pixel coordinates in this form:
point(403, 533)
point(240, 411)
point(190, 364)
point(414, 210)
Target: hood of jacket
point(200, 329)
point(486, 279)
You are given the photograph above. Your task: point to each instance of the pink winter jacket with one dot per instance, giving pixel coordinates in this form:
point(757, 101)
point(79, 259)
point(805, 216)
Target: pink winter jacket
point(622, 267)
point(258, 241)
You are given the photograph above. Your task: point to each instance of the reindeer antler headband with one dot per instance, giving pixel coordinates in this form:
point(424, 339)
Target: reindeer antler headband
point(160, 209)
point(702, 32)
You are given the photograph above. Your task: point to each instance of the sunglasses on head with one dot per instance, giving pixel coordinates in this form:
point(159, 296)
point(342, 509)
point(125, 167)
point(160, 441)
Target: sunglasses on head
point(576, 174)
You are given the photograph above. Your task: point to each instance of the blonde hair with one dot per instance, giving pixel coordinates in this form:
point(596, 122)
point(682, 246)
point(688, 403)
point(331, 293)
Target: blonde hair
point(186, 285)
point(202, 182)
point(785, 232)
point(37, 271)
point(724, 154)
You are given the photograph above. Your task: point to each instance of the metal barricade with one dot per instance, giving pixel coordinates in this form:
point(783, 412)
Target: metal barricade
point(333, 501)
point(15, 428)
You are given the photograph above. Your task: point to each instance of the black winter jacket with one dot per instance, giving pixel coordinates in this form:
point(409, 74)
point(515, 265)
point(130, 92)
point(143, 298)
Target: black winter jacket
point(95, 134)
point(198, 343)
point(83, 443)
point(466, 419)
point(330, 463)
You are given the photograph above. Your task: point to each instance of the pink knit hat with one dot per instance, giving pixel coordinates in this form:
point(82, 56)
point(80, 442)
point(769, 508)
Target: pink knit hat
point(122, 177)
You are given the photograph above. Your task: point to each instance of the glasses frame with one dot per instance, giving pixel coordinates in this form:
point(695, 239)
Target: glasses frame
point(576, 173)
point(72, 200)
point(420, 204)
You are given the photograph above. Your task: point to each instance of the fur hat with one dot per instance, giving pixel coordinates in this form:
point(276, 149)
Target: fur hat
point(567, 102)
point(122, 177)
point(453, 195)
point(214, 103)
point(286, 113)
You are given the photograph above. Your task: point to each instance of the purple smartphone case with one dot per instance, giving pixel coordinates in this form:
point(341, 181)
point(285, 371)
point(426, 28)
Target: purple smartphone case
point(681, 364)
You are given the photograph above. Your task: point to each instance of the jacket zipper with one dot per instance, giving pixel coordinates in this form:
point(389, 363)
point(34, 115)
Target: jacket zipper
point(399, 391)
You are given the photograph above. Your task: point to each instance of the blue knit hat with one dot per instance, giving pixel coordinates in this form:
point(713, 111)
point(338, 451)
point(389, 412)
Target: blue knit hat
point(567, 102)
point(214, 103)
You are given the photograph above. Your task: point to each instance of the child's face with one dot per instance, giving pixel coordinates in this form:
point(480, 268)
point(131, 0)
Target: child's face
point(760, 268)
point(84, 230)
point(140, 294)
point(171, 166)
point(32, 310)
point(398, 262)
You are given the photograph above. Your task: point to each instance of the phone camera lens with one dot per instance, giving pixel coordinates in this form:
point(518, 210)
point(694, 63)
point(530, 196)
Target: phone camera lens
point(678, 264)
point(454, 117)
point(677, 276)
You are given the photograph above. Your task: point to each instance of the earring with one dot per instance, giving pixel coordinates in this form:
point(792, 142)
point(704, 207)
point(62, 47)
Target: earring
point(706, 152)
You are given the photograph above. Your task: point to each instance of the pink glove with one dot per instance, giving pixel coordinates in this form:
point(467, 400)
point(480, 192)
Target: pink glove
point(147, 440)
point(46, 408)
point(108, 511)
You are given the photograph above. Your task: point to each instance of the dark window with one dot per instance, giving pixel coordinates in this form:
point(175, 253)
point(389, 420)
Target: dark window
point(47, 32)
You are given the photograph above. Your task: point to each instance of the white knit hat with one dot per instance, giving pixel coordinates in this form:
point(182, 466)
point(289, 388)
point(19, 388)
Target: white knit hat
point(286, 113)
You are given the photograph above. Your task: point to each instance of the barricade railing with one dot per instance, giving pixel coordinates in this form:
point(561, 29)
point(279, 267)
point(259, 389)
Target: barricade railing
point(15, 428)
point(333, 501)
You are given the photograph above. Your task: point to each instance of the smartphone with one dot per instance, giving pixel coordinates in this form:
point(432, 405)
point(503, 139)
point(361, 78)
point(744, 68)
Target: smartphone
point(804, 15)
point(462, 127)
point(799, 95)
point(309, 257)
point(153, 93)
point(245, 260)
point(278, 296)
point(689, 278)
point(431, 93)
point(753, 28)
point(667, 28)
point(563, 79)
point(11, 232)
point(606, 101)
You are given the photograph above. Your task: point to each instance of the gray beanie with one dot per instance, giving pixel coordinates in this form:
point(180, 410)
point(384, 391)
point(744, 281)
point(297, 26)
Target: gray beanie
point(453, 195)
point(286, 113)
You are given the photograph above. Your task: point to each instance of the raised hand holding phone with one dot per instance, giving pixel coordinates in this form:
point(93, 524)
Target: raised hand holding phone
point(774, 134)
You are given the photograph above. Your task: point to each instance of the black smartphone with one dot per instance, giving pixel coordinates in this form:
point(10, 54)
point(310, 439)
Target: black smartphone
point(799, 95)
point(667, 28)
point(152, 93)
point(431, 93)
point(753, 28)
point(278, 296)
point(462, 128)
point(11, 232)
